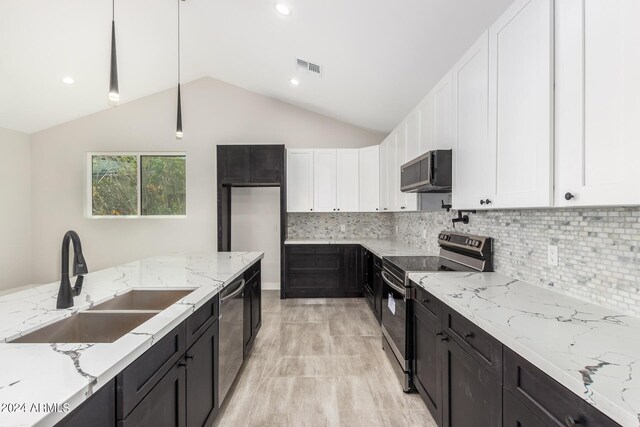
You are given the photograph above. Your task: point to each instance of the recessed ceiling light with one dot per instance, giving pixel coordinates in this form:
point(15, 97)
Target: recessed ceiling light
point(68, 80)
point(283, 9)
point(294, 82)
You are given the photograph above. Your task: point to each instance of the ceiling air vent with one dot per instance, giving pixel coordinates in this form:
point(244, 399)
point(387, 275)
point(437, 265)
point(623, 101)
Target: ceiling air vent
point(309, 67)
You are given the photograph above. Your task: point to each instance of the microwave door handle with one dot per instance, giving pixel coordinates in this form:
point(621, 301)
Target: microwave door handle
point(430, 168)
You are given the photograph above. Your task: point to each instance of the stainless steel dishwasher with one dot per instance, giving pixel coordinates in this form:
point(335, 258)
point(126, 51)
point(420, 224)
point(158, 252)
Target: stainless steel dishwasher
point(231, 335)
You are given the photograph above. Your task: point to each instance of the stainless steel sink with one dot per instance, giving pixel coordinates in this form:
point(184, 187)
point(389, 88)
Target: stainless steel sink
point(143, 299)
point(88, 327)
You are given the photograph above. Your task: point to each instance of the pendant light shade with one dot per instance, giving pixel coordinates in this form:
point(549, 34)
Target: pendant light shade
point(179, 115)
point(114, 91)
point(179, 118)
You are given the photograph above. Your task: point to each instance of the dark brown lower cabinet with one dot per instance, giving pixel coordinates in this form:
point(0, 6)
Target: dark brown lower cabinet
point(165, 405)
point(252, 311)
point(202, 372)
point(472, 395)
point(377, 288)
point(97, 411)
point(515, 414)
point(427, 360)
point(328, 271)
point(546, 398)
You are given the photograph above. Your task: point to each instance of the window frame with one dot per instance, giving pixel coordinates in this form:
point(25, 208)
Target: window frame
point(88, 208)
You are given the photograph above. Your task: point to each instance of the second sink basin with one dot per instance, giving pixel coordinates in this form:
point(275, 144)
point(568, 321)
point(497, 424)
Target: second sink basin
point(87, 328)
point(143, 299)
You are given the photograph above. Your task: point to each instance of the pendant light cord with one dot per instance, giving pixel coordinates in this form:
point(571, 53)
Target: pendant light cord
point(113, 10)
point(179, 41)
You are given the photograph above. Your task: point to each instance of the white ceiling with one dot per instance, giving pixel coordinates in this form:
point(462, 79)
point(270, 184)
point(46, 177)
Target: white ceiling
point(379, 57)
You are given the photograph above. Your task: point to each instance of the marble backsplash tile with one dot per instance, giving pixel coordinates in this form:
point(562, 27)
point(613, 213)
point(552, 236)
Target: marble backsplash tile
point(599, 248)
point(328, 225)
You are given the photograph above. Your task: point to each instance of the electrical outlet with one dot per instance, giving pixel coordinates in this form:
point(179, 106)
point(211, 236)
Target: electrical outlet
point(397, 229)
point(424, 234)
point(552, 255)
point(343, 228)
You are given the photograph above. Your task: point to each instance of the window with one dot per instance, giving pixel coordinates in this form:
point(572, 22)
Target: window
point(137, 185)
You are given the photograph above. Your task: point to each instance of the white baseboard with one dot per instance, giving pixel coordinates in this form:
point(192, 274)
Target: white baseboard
point(270, 286)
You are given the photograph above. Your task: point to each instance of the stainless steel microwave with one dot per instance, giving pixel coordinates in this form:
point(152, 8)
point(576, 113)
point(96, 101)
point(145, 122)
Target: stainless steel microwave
point(429, 173)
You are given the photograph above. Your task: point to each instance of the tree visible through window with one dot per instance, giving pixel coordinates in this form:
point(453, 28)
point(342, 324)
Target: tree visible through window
point(133, 185)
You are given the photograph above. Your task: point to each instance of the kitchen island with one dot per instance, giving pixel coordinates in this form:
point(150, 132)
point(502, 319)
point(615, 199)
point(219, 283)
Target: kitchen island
point(40, 383)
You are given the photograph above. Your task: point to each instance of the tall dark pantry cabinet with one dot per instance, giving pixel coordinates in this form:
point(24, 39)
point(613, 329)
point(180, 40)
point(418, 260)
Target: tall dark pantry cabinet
point(250, 166)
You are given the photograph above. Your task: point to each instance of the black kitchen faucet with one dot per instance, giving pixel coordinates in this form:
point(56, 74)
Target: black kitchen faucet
point(66, 292)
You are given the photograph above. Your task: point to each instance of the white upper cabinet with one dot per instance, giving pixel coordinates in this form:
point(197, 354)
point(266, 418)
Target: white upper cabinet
point(597, 102)
point(472, 178)
point(406, 150)
point(299, 180)
point(324, 180)
point(369, 178)
point(413, 135)
point(393, 174)
point(442, 121)
point(427, 125)
point(521, 105)
point(384, 175)
point(348, 180)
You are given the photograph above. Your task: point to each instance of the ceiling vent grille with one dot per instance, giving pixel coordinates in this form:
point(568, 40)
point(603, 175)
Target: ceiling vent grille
point(311, 68)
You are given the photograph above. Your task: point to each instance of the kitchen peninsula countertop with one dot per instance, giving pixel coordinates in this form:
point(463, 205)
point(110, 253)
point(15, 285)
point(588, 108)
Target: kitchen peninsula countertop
point(70, 373)
point(379, 247)
point(591, 350)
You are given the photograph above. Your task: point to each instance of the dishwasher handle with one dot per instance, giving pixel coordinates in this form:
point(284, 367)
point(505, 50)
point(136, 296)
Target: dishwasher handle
point(234, 293)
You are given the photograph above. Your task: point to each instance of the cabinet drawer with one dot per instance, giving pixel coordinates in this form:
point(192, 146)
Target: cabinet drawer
point(252, 271)
point(201, 319)
point(431, 304)
point(137, 379)
point(546, 398)
point(480, 345)
point(377, 262)
point(515, 414)
point(99, 410)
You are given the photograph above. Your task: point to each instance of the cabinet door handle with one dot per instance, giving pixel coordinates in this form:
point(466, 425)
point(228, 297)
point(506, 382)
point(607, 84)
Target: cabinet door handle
point(182, 364)
point(481, 202)
point(467, 335)
point(568, 196)
point(426, 301)
point(189, 357)
point(444, 338)
point(439, 334)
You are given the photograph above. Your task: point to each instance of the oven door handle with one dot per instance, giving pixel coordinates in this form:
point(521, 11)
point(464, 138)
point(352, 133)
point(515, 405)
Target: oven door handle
point(393, 285)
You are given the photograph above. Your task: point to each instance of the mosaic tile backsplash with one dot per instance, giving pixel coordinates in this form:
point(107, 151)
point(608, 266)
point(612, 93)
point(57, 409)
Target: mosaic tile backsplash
point(327, 225)
point(599, 248)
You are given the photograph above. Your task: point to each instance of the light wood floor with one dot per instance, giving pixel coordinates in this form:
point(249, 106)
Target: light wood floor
point(319, 362)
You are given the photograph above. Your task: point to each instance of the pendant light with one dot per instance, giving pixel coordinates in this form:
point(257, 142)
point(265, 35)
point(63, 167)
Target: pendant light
point(179, 117)
point(114, 92)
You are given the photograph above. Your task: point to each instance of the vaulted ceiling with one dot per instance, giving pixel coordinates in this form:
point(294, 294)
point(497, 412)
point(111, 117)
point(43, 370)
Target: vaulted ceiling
point(378, 58)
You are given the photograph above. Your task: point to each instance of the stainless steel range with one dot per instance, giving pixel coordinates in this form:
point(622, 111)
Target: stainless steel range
point(458, 252)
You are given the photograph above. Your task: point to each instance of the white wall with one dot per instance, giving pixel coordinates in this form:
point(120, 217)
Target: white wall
point(15, 209)
point(255, 226)
point(213, 113)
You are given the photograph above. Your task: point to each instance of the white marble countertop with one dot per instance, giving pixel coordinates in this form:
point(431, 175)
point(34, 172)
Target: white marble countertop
point(379, 247)
point(591, 350)
point(70, 373)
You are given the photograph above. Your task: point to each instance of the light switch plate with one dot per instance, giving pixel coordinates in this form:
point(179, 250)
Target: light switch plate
point(424, 234)
point(552, 255)
point(343, 228)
